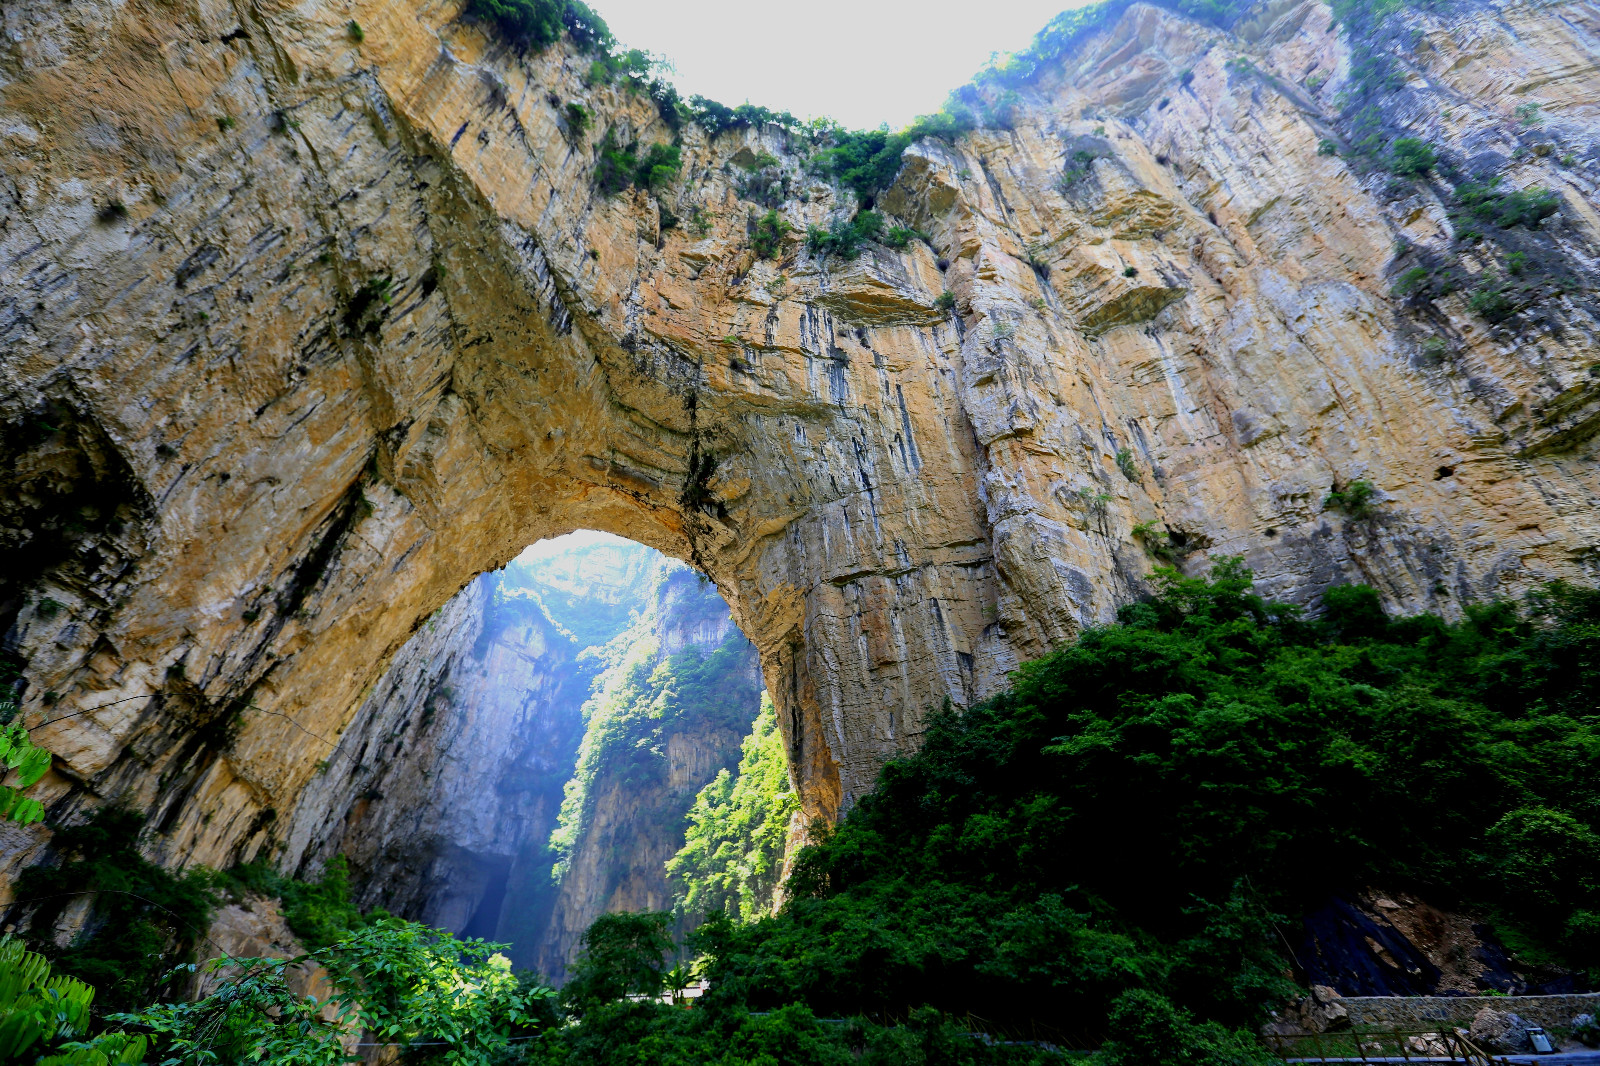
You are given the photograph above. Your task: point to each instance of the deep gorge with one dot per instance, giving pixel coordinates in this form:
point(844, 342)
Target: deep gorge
point(312, 317)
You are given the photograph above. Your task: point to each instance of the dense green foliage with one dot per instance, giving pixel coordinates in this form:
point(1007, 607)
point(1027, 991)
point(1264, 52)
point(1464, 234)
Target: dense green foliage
point(1256, 759)
point(319, 912)
point(868, 160)
point(1354, 499)
point(441, 999)
point(145, 918)
point(1499, 224)
point(733, 847)
point(445, 1000)
point(1480, 205)
point(768, 233)
point(539, 23)
point(1411, 157)
point(1116, 851)
point(846, 236)
point(624, 956)
point(718, 118)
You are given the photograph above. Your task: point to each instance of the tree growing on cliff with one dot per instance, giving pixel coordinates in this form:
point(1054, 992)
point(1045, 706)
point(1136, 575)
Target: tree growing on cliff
point(733, 848)
point(537, 24)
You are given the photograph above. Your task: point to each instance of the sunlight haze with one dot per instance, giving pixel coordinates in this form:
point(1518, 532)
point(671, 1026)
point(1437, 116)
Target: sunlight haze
point(863, 62)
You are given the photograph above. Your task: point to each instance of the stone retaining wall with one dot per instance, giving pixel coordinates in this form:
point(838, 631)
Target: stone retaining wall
point(1426, 1012)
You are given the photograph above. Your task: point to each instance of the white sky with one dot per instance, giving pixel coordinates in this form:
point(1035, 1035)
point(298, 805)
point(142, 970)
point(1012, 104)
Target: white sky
point(583, 538)
point(863, 62)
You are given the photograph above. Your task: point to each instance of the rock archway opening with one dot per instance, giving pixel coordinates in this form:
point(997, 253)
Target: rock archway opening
point(327, 330)
point(581, 731)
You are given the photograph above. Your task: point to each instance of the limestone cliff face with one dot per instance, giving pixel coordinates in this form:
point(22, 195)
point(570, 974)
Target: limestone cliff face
point(661, 725)
point(300, 334)
point(444, 789)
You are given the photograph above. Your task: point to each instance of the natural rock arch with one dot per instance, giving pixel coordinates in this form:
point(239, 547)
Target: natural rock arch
point(332, 327)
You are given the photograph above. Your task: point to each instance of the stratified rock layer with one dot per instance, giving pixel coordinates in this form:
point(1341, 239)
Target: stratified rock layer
point(300, 334)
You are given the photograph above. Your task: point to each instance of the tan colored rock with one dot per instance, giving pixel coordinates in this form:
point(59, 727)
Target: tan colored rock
point(366, 329)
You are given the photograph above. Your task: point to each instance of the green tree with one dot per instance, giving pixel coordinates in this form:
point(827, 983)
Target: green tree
point(622, 955)
point(733, 848)
point(445, 1000)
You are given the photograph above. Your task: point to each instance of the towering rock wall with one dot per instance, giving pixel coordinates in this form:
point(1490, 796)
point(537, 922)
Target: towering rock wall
point(300, 333)
point(444, 790)
point(681, 691)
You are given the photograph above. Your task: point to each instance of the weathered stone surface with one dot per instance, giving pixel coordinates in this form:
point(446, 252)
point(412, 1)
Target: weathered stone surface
point(334, 327)
point(1499, 1030)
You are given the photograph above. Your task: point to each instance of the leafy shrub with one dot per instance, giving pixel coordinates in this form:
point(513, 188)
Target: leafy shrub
point(1354, 499)
point(1130, 272)
point(1492, 300)
point(946, 300)
point(1078, 167)
point(621, 167)
point(1148, 1028)
point(354, 32)
point(1415, 280)
point(632, 67)
point(145, 918)
point(1411, 157)
point(577, 118)
point(898, 237)
point(768, 234)
point(659, 166)
point(844, 238)
point(1155, 540)
point(1327, 147)
point(1485, 203)
point(319, 912)
point(1126, 464)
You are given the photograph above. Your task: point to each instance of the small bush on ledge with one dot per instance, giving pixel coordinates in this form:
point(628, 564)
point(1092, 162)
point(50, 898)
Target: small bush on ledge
point(621, 167)
point(844, 239)
point(768, 233)
point(1354, 500)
